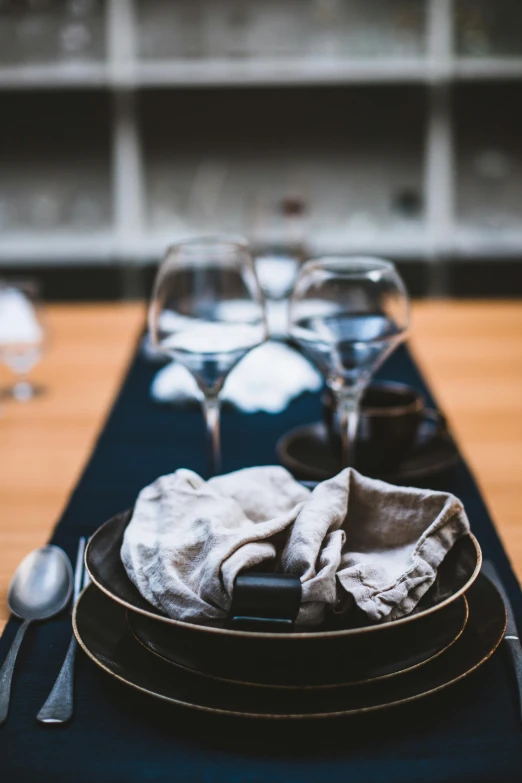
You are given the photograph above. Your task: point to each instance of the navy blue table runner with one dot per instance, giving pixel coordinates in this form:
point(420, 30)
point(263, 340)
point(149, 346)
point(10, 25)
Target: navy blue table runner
point(471, 732)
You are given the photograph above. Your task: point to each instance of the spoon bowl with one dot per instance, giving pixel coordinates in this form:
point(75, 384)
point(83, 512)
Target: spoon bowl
point(42, 584)
point(40, 588)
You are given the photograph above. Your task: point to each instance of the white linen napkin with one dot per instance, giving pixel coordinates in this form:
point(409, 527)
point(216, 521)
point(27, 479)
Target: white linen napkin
point(376, 542)
point(267, 379)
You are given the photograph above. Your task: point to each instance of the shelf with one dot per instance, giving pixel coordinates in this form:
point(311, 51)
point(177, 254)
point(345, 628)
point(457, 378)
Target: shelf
point(488, 68)
point(219, 73)
point(143, 44)
point(55, 164)
point(465, 244)
point(240, 177)
point(46, 33)
point(53, 76)
point(247, 30)
point(488, 129)
point(272, 73)
point(474, 243)
point(404, 248)
point(57, 249)
point(488, 28)
point(405, 142)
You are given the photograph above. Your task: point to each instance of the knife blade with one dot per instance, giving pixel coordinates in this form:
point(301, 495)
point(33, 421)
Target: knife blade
point(511, 637)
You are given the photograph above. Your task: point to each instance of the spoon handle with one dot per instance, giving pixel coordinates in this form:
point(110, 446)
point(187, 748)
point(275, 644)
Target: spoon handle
point(6, 672)
point(60, 703)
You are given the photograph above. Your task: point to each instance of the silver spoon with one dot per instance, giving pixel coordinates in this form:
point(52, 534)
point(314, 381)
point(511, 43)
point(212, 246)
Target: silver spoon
point(40, 588)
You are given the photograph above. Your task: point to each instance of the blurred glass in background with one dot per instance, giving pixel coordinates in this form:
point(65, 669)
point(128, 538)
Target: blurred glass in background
point(22, 336)
point(51, 31)
point(384, 127)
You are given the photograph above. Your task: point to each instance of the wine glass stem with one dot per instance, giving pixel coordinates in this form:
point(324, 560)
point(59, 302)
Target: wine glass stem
point(349, 411)
point(22, 389)
point(211, 408)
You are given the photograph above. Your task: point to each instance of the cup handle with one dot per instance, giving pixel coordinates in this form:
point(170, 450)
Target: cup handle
point(439, 419)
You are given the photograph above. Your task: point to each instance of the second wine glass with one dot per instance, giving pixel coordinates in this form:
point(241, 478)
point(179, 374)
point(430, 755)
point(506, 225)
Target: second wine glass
point(207, 312)
point(347, 315)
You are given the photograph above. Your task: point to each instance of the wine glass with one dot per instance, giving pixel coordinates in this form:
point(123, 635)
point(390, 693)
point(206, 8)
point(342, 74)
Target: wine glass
point(207, 312)
point(276, 273)
point(347, 315)
point(22, 335)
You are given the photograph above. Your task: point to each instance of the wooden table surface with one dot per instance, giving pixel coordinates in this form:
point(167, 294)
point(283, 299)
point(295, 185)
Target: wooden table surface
point(471, 353)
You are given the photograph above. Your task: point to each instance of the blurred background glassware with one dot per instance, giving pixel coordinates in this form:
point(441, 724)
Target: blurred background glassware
point(76, 40)
point(277, 263)
point(491, 179)
point(22, 335)
point(347, 315)
point(207, 312)
point(44, 208)
point(486, 29)
point(81, 30)
point(35, 30)
point(85, 210)
point(276, 272)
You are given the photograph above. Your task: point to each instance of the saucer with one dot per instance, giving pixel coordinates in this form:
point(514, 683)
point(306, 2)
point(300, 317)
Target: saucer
point(101, 628)
point(307, 453)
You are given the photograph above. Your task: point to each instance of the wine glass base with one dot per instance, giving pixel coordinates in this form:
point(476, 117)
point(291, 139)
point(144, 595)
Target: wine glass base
point(22, 392)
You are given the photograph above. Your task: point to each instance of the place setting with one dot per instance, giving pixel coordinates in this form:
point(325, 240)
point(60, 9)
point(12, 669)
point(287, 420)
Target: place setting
point(255, 658)
point(322, 587)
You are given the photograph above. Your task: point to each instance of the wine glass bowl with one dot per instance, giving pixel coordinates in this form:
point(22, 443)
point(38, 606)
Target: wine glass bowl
point(207, 312)
point(347, 315)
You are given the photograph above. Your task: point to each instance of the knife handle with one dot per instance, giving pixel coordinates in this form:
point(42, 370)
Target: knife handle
point(515, 651)
point(59, 706)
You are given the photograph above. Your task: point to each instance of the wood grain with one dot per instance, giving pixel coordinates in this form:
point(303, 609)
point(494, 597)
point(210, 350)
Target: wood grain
point(44, 443)
point(471, 353)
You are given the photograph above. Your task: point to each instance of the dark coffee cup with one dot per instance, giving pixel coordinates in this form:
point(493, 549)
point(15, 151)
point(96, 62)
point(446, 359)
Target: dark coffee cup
point(390, 416)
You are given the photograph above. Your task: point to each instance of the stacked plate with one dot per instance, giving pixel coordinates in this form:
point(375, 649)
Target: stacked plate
point(456, 627)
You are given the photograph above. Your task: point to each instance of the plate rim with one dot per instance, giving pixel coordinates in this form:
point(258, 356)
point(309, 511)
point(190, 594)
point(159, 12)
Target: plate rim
point(287, 636)
point(281, 716)
point(320, 687)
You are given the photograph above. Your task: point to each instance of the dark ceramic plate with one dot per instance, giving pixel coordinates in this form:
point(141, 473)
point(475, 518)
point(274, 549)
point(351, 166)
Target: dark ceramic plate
point(318, 657)
point(160, 640)
point(102, 631)
point(308, 454)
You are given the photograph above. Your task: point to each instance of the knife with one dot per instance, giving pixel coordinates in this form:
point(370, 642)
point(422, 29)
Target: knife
point(511, 638)
point(59, 706)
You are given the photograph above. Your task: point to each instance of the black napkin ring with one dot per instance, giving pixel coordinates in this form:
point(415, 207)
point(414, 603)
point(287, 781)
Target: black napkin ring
point(266, 603)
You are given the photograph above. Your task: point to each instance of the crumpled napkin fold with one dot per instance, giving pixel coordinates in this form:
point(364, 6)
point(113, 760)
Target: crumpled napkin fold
point(378, 543)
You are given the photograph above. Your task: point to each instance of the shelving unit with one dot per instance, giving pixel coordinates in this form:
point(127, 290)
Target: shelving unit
point(388, 119)
point(55, 184)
